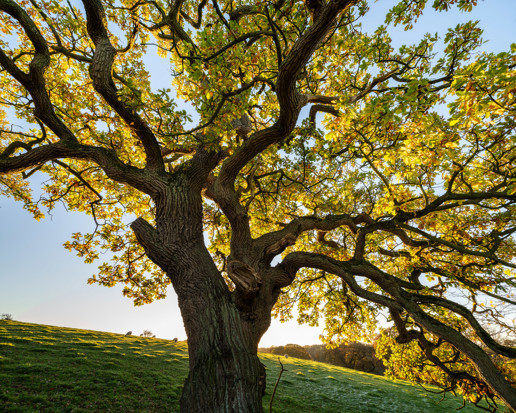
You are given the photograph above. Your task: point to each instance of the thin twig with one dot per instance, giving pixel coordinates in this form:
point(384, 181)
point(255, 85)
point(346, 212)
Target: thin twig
point(276, 385)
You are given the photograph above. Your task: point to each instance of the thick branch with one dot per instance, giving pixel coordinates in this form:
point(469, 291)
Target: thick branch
point(34, 83)
point(482, 362)
point(246, 280)
point(289, 99)
point(100, 72)
point(202, 164)
point(464, 312)
point(401, 299)
point(148, 238)
point(293, 262)
point(290, 103)
point(195, 23)
point(321, 108)
point(274, 243)
point(106, 159)
point(171, 20)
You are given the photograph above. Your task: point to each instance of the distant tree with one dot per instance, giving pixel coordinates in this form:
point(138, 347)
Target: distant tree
point(147, 333)
point(395, 204)
point(358, 356)
point(293, 350)
point(7, 317)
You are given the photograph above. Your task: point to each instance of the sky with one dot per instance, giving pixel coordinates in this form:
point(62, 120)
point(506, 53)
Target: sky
point(41, 282)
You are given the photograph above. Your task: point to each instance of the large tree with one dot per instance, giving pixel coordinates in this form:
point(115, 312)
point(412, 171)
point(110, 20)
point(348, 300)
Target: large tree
point(400, 202)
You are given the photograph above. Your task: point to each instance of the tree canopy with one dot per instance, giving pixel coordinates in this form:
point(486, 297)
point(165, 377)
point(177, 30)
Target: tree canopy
point(338, 176)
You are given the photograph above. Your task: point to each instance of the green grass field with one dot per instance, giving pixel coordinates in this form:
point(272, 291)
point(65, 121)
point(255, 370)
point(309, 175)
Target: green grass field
point(54, 369)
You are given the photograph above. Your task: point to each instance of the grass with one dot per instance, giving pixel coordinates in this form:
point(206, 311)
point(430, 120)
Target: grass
point(54, 369)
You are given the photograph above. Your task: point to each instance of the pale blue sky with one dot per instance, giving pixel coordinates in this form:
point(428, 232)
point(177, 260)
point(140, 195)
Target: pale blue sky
point(41, 282)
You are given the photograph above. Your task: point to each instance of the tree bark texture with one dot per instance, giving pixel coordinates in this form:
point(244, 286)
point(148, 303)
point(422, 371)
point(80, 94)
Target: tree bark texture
point(226, 374)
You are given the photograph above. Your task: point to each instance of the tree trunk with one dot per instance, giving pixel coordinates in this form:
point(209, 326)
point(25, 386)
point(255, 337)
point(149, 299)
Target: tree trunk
point(225, 372)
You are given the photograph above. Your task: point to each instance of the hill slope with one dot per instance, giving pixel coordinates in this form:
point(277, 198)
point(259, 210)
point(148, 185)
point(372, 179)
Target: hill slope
point(54, 369)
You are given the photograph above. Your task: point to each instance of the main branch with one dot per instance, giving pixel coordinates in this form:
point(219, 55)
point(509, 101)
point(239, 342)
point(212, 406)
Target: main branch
point(100, 72)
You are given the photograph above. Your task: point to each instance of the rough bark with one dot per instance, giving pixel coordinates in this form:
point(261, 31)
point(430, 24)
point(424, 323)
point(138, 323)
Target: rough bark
point(225, 372)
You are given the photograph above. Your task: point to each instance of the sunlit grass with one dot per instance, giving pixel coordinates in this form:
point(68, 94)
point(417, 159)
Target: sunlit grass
point(54, 369)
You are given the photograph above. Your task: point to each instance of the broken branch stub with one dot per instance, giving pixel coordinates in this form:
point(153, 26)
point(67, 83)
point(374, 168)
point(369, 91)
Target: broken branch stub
point(246, 280)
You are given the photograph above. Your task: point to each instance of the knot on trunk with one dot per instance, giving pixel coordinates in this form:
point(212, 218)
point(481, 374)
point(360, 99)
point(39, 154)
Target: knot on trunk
point(246, 280)
point(242, 126)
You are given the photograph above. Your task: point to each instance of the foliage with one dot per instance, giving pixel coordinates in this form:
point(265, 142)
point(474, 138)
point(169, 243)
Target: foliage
point(400, 201)
point(45, 368)
point(407, 361)
point(7, 317)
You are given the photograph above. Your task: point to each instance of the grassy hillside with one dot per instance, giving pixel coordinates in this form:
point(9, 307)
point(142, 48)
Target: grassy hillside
point(53, 369)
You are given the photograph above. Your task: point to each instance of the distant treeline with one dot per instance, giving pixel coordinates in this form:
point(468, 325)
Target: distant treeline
point(357, 356)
